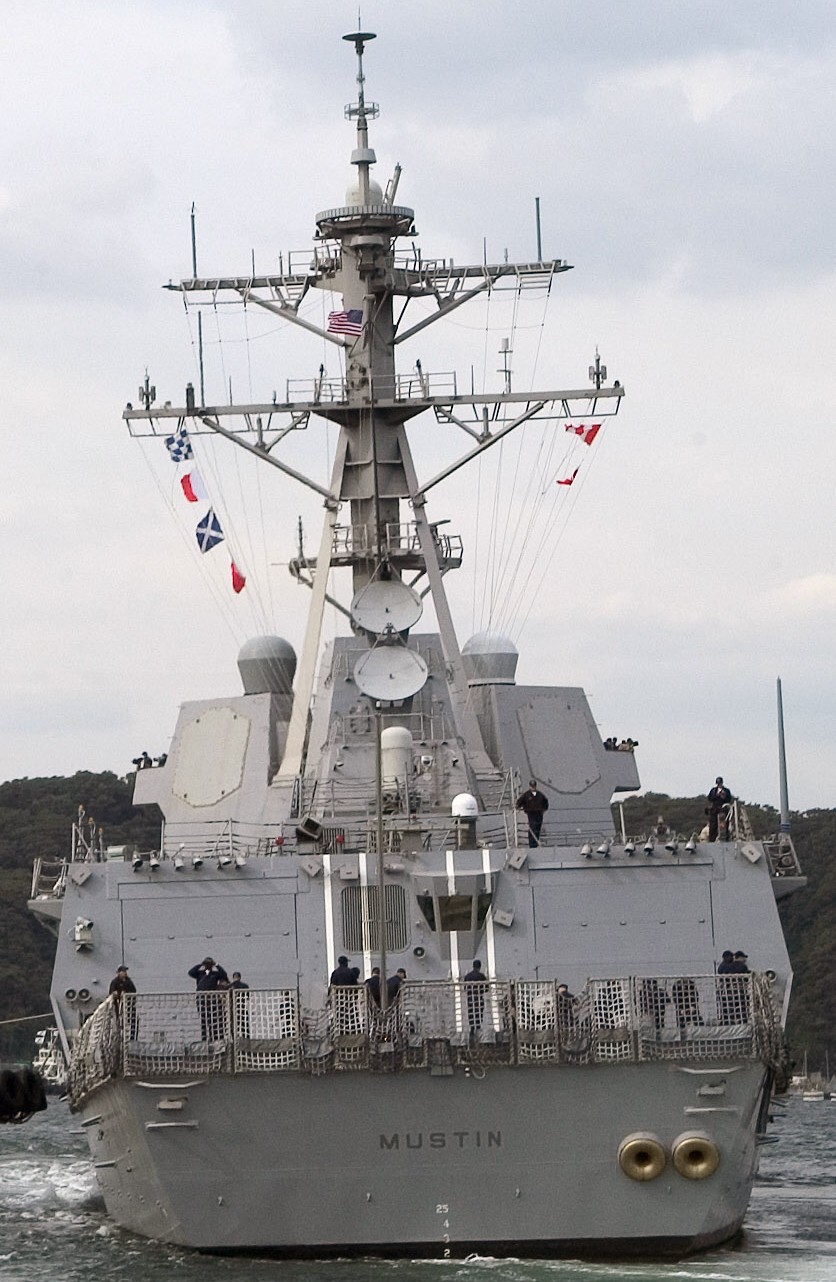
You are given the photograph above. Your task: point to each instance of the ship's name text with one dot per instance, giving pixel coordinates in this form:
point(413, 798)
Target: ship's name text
point(441, 1139)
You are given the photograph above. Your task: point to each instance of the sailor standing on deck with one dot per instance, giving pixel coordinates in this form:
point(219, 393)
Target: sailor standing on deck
point(208, 976)
point(719, 799)
point(241, 1005)
point(373, 985)
point(475, 996)
point(343, 975)
point(535, 804)
point(122, 983)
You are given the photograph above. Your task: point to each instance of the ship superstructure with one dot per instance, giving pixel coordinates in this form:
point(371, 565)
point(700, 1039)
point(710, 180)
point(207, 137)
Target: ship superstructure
point(362, 802)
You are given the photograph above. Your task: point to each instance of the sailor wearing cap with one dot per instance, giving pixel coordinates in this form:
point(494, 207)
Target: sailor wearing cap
point(535, 804)
point(121, 983)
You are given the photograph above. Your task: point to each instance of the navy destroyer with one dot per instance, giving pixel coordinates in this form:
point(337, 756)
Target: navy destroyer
point(593, 1084)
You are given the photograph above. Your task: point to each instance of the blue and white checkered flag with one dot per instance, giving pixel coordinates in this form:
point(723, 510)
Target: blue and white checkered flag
point(179, 446)
point(209, 531)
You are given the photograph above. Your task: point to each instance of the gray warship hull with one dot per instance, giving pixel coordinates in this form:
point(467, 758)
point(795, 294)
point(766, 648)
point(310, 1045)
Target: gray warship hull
point(465, 1117)
point(525, 1164)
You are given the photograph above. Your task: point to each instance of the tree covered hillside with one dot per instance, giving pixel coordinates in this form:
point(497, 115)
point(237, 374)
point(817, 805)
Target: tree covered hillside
point(36, 816)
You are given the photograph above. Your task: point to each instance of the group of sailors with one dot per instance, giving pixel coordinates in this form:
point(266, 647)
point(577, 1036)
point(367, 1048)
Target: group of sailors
point(654, 997)
point(345, 975)
point(209, 978)
point(731, 997)
point(145, 762)
point(626, 745)
point(733, 963)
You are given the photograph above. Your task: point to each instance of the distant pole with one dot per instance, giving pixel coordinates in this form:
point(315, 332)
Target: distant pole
point(537, 223)
point(199, 313)
point(381, 914)
point(782, 766)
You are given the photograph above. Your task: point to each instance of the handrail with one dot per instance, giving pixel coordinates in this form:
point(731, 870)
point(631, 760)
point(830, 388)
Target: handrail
point(436, 1025)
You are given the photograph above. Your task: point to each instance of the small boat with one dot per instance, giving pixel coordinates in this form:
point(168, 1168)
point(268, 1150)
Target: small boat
point(49, 1060)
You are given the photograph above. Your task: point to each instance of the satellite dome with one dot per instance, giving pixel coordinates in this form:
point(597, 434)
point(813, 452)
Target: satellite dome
point(267, 665)
point(465, 806)
point(353, 197)
point(490, 659)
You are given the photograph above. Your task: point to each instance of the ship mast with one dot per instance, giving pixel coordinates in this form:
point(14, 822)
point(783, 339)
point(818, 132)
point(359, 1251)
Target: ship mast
point(373, 479)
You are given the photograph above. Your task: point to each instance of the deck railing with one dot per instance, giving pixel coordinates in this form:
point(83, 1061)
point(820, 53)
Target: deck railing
point(438, 1026)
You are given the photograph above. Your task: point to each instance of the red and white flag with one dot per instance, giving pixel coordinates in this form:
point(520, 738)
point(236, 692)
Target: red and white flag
point(239, 581)
point(569, 479)
point(587, 434)
point(193, 487)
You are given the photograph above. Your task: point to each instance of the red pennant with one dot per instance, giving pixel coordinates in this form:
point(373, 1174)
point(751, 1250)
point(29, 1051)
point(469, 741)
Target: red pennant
point(239, 581)
point(587, 434)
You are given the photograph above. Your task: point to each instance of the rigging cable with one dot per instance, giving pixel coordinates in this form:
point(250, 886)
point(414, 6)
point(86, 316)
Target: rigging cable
point(220, 599)
point(561, 530)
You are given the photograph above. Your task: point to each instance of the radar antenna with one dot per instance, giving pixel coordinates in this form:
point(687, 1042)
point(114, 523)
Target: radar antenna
point(597, 372)
point(363, 156)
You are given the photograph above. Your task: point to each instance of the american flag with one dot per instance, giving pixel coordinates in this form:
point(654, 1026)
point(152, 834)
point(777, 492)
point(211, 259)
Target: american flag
point(350, 322)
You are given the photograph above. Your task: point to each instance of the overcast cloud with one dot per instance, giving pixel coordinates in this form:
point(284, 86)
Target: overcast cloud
point(684, 159)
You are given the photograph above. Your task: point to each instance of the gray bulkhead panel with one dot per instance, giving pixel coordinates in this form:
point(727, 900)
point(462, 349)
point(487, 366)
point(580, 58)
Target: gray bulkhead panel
point(252, 930)
point(222, 757)
point(549, 734)
point(600, 921)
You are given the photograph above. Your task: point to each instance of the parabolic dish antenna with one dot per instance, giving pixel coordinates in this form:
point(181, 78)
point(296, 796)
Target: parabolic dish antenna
point(390, 673)
point(386, 603)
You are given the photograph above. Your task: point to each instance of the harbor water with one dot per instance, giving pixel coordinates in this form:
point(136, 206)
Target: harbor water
point(52, 1224)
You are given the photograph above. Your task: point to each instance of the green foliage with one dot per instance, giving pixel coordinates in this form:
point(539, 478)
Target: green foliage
point(36, 817)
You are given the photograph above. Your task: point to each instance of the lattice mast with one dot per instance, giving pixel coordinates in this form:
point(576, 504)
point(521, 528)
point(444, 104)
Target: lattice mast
point(373, 479)
point(373, 472)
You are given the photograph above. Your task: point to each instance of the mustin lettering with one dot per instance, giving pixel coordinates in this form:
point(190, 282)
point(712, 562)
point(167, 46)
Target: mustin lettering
point(441, 1139)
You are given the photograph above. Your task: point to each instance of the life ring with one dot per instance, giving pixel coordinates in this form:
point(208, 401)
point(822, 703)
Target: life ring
point(695, 1155)
point(642, 1156)
point(12, 1094)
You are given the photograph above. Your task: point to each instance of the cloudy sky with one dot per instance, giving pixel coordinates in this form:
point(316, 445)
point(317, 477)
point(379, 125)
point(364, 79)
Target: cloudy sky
point(683, 155)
